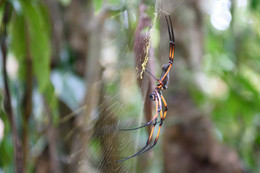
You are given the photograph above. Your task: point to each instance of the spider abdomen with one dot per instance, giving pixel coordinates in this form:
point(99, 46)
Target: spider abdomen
point(152, 96)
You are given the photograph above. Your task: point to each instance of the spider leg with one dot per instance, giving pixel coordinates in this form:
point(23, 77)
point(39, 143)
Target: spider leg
point(162, 117)
point(159, 129)
point(158, 97)
point(147, 124)
point(170, 31)
point(172, 41)
point(154, 77)
point(135, 128)
point(166, 107)
point(172, 45)
point(158, 100)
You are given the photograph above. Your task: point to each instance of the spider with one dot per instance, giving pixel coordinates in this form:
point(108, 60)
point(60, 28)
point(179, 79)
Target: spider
point(157, 96)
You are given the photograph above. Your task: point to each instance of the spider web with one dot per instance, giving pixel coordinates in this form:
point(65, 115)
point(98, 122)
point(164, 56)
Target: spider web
point(122, 106)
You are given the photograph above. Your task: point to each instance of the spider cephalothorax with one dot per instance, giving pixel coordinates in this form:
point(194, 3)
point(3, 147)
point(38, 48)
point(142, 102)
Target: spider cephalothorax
point(157, 96)
point(165, 68)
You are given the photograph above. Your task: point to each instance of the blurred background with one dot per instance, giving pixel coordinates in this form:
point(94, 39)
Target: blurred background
point(72, 75)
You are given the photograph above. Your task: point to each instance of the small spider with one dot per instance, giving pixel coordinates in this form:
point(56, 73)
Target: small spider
point(157, 96)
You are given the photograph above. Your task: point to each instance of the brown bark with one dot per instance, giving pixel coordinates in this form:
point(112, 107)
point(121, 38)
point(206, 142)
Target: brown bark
point(57, 28)
point(141, 43)
point(49, 159)
point(42, 163)
point(52, 142)
point(94, 29)
point(189, 144)
point(144, 60)
point(105, 132)
point(79, 21)
point(84, 34)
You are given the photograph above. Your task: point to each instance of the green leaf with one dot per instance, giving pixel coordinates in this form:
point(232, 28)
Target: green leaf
point(30, 37)
point(97, 5)
point(65, 2)
point(6, 150)
point(30, 31)
point(18, 42)
point(52, 102)
point(18, 37)
point(39, 43)
point(255, 4)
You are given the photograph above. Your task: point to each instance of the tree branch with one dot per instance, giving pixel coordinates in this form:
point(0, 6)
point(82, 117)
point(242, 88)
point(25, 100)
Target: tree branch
point(27, 107)
point(51, 138)
point(143, 55)
point(7, 102)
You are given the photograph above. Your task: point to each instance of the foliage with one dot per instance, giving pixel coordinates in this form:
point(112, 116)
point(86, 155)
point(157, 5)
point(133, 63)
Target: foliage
point(231, 62)
point(231, 56)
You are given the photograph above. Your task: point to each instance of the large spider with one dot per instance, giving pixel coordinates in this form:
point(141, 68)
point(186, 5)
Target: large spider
point(157, 96)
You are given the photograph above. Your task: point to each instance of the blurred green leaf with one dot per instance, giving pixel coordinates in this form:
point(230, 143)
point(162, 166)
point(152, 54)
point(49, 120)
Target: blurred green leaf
point(65, 84)
point(18, 37)
point(97, 5)
point(30, 37)
point(18, 42)
point(6, 150)
point(65, 2)
point(255, 4)
point(39, 43)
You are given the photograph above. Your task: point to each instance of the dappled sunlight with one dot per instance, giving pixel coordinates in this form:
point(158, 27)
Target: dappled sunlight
point(2, 127)
point(12, 66)
point(221, 16)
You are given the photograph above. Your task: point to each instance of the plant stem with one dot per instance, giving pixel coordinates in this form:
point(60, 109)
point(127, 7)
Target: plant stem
point(7, 102)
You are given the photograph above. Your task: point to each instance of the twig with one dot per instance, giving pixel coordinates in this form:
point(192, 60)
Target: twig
point(27, 99)
point(51, 137)
point(8, 106)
